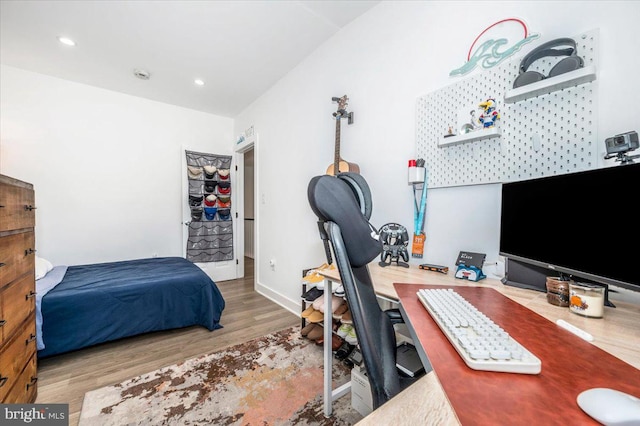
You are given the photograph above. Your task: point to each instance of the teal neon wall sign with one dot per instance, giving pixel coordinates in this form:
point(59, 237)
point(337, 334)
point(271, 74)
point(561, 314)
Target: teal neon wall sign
point(492, 52)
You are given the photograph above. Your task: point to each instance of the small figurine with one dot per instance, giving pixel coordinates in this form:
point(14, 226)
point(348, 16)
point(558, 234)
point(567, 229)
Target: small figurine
point(489, 114)
point(449, 133)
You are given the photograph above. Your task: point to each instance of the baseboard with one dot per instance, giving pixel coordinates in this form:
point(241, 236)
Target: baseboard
point(291, 305)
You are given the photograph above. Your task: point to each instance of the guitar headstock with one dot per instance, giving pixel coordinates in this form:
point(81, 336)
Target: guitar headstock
point(342, 106)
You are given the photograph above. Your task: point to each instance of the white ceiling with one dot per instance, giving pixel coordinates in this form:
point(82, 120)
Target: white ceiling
point(239, 48)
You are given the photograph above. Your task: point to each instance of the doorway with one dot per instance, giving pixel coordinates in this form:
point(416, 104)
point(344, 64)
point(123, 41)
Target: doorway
point(249, 211)
point(248, 241)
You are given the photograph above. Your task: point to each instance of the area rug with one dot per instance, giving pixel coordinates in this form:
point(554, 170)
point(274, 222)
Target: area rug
point(274, 380)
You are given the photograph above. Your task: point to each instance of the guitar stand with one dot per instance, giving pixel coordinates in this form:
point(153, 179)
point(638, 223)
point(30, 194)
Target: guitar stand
point(349, 115)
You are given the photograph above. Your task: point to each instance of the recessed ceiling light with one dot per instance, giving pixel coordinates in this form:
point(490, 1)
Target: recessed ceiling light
point(67, 41)
point(198, 82)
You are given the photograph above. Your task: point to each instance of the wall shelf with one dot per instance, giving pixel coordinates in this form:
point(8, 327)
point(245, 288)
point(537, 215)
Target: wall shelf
point(476, 135)
point(549, 85)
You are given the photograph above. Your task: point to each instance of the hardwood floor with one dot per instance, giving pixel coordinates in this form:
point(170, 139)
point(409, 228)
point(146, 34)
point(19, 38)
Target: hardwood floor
point(66, 378)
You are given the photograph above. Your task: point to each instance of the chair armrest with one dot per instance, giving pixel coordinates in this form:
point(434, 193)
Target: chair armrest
point(395, 316)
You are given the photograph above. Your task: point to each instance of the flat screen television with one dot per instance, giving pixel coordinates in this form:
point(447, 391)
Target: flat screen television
point(585, 225)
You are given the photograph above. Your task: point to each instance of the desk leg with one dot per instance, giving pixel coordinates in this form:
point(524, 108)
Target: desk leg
point(330, 394)
point(328, 367)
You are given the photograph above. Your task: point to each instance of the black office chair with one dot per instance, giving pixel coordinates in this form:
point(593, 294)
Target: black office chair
point(343, 206)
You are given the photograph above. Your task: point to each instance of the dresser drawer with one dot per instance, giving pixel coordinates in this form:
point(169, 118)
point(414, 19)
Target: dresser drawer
point(17, 256)
point(12, 358)
point(24, 389)
point(17, 207)
point(18, 302)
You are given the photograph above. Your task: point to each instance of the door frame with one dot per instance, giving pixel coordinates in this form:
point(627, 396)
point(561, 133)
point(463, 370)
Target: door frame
point(250, 142)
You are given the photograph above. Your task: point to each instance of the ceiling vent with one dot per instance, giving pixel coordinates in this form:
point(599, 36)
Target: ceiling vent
point(142, 74)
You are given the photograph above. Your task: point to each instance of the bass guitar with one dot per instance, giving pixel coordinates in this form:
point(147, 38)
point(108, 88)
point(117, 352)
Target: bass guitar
point(339, 165)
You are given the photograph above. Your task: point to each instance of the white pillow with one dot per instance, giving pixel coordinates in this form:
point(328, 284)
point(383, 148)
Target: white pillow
point(43, 266)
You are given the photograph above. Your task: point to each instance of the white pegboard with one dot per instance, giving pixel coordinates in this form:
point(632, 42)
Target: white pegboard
point(553, 133)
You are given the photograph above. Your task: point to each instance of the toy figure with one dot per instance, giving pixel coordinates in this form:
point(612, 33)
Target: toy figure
point(489, 114)
point(449, 133)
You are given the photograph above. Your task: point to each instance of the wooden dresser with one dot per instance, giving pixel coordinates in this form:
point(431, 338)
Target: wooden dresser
point(18, 358)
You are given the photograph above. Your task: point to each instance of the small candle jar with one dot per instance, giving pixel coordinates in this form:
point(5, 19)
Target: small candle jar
point(558, 291)
point(586, 299)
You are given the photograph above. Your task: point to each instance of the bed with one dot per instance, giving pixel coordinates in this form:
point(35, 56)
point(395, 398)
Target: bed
point(102, 302)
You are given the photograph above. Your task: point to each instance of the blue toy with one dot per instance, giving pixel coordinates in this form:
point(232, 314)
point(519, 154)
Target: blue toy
point(489, 114)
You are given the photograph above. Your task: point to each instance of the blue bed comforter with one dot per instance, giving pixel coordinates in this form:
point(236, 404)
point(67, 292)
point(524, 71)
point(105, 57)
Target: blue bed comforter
point(107, 301)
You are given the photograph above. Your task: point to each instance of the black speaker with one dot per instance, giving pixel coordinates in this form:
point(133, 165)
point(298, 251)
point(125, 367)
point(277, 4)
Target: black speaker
point(524, 275)
point(571, 63)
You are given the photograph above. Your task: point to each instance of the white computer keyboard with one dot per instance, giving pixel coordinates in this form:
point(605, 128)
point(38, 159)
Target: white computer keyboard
point(481, 343)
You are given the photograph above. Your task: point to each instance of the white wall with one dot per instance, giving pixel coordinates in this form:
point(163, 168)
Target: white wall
point(384, 61)
point(106, 166)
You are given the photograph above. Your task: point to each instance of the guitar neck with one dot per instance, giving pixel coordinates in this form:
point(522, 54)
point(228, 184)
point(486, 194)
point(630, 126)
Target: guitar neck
point(336, 158)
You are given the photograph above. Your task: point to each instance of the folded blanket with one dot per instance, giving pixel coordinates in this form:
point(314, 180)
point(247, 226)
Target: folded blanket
point(43, 286)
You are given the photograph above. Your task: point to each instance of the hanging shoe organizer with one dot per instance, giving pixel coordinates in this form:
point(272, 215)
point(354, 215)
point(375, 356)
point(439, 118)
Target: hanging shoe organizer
point(211, 227)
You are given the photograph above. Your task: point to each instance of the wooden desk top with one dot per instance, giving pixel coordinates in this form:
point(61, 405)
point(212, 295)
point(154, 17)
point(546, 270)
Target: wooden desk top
point(384, 277)
point(618, 334)
point(570, 365)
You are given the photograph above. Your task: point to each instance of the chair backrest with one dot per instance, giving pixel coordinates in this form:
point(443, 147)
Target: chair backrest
point(338, 199)
point(355, 246)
